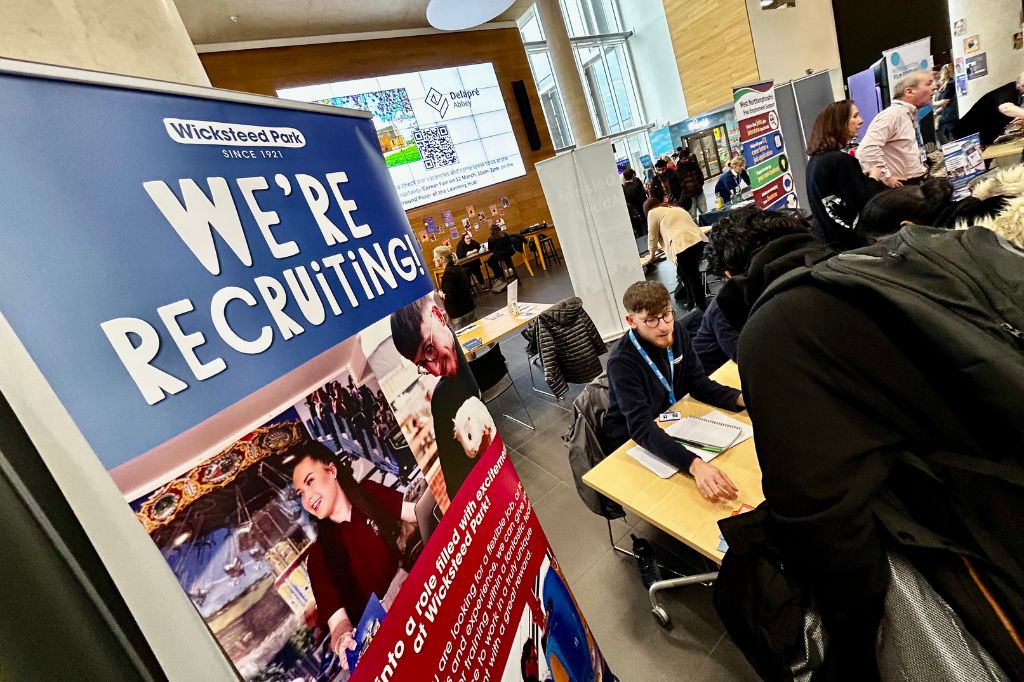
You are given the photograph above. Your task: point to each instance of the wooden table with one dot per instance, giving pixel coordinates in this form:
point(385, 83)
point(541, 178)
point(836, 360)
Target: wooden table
point(478, 256)
point(502, 326)
point(674, 505)
point(1013, 148)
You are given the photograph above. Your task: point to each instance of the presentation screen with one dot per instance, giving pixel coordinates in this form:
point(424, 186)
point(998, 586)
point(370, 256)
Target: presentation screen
point(442, 132)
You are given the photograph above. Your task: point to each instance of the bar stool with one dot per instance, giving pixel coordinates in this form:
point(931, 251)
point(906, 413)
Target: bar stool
point(547, 248)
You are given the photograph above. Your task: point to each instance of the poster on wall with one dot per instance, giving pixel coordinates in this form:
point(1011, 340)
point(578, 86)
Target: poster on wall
point(762, 145)
point(246, 336)
point(963, 163)
point(448, 218)
point(977, 66)
point(905, 59)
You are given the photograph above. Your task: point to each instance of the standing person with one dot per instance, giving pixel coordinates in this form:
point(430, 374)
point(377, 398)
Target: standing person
point(993, 112)
point(730, 180)
point(421, 336)
point(673, 228)
point(502, 248)
point(455, 289)
point(649, 370)
point(692, 178)
point(671, 181)
point(893, 143)
point(468, 246)
point(836, 185)
point(635, 195)
point(946, 105)
point(357, 551)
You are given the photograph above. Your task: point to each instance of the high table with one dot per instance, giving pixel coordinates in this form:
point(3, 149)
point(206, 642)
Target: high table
point(1007, 153)
point(498, 326)
point(674, 505)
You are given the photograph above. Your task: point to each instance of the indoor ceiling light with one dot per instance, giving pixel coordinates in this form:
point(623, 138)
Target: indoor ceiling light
point(455, 15)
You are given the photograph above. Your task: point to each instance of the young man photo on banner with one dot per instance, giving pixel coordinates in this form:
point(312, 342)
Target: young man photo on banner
point(462, 426)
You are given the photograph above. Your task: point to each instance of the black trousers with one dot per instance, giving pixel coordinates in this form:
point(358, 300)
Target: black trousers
point(474, 271)
point(495, 261)
point(688, 271)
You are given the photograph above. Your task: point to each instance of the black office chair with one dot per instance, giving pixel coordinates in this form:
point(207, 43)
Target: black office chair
point(492, 376)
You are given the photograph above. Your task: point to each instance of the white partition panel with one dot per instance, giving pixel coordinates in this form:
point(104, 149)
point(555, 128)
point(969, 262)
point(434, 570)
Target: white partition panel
point(585, 197)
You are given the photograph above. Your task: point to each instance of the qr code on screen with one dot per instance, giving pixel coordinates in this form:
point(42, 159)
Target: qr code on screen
point(436, 148)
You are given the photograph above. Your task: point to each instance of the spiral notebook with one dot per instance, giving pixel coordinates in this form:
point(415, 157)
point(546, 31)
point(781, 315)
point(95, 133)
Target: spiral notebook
point(712, 434)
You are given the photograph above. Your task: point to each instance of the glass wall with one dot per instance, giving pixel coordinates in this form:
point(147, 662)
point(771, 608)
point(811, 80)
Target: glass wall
point(544, 75)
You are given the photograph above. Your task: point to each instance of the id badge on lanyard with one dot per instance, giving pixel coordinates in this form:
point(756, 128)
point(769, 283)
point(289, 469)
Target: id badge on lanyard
point(669, 383)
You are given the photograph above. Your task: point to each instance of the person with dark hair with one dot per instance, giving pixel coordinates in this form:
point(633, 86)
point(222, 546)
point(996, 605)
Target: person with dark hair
point(837, 187)
point(692, 179)
point(502, 247)
point(751, 248)
point(649, 370)
point(359, 548)
point(421, 337)
point(468, 246)
point(672, 183)
point(635, 195)
point(456, 289)
point(672, 228)
point(929, 203)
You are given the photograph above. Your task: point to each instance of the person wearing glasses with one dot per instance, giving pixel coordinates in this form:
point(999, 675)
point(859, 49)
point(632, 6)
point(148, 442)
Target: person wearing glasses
point(650, 368)
point(421, 336)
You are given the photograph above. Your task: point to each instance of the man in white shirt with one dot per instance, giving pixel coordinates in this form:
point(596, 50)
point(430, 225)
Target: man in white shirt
point(892, 143)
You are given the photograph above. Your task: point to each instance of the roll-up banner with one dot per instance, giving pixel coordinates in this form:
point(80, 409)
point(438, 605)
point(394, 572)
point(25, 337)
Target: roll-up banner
point(764, 150)
point(221, 296)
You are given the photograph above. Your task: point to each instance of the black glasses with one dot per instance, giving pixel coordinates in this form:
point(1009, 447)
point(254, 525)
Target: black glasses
point(653, 322)
point(429, 355)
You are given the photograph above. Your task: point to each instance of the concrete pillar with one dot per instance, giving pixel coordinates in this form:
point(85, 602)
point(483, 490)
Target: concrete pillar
point(568, 76)
point(132, 37)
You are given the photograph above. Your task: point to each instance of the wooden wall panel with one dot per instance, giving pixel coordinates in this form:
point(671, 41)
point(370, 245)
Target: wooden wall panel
point(268, 70)
point(714, 50)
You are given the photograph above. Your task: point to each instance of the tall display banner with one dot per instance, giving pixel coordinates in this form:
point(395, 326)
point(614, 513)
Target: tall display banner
point(906, 59)
point(764, 149)
point(215, 303)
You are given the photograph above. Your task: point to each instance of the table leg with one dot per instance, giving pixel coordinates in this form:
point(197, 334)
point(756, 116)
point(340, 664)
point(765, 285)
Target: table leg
point(540, 253)
point(526, 259)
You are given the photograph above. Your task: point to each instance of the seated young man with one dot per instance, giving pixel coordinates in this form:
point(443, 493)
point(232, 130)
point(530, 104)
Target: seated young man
point(651, 368)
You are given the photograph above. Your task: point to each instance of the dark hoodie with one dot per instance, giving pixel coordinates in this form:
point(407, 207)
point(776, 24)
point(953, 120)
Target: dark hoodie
point(770, 262)
point(568, 343)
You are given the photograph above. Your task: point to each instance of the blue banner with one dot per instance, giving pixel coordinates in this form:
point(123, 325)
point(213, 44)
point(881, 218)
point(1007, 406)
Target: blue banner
point(166, 256)
point(661, 142)
point(762, 148)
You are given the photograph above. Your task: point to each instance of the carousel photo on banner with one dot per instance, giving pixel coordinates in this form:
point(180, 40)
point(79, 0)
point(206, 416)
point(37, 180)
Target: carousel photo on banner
point(264, 535)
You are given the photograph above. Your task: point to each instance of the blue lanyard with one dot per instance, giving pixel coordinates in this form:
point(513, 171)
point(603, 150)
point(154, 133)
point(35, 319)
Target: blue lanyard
point(657, 372)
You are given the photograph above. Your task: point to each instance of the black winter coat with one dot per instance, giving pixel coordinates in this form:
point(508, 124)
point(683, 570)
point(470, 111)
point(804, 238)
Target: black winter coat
point(568, 343)
point(857, 377)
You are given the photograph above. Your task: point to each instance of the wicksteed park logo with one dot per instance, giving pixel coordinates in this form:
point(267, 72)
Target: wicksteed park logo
point(439, 103)
point(185, 131)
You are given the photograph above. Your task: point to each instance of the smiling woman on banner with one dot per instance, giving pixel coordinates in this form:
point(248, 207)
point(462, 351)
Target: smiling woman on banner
point(360, 547)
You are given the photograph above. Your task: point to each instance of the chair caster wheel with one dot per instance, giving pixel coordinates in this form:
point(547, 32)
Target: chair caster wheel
point(661, 617)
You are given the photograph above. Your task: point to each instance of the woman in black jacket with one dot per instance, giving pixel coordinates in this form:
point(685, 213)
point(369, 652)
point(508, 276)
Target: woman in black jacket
point(836, 185)
point(502, 247)
point(468, 246)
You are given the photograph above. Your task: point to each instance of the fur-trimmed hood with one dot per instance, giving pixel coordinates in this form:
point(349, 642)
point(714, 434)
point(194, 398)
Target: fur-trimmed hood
point(1004, 190)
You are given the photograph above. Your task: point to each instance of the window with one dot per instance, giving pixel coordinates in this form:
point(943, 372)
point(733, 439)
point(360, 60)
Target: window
point(605, 66)
point(544, 76)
